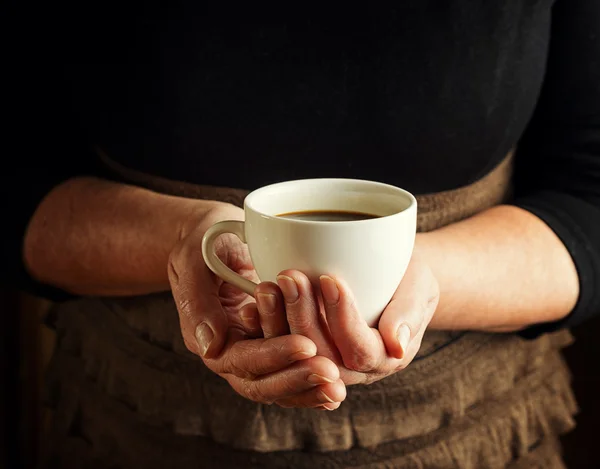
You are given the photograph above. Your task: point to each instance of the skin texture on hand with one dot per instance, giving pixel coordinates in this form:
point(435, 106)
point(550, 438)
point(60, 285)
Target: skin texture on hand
point(334, 324)
point(283, 369)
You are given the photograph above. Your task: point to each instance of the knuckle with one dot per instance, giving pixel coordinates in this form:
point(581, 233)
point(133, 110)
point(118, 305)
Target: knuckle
point(301, 322)
point(361, 361)
point(254, 392)
point(270, 349)
point(231, 365)
point(288, 387)
point(289, 343)
point(186, 307)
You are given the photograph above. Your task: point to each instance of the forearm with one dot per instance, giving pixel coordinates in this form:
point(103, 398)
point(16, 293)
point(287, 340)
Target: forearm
point(502, 270)
point(95, 237)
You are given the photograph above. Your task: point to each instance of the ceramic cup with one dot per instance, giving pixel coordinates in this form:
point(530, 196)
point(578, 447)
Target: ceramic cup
point(370, 255)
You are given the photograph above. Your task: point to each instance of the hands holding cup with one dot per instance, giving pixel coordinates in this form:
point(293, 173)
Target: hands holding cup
point(363, 354)
point(312, 330)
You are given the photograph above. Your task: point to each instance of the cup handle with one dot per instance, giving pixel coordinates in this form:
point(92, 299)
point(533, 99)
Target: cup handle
point(215, 264)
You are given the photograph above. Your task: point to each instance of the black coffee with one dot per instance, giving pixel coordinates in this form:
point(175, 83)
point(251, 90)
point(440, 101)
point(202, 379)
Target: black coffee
point(328, 215)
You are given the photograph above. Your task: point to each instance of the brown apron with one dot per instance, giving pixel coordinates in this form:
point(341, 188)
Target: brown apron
point(126, 392)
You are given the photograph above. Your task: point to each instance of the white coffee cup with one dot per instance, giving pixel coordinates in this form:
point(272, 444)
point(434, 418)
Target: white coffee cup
point(370, 255)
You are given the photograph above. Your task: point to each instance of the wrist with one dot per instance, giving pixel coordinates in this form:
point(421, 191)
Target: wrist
point(430, 248)
point(427, 248)
point(205, 213)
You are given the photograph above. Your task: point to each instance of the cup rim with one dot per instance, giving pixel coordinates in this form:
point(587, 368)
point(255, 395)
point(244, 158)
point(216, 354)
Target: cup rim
point(250, 200)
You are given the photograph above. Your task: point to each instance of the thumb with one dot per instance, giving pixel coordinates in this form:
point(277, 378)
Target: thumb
point(195, 289)
point(410, 309)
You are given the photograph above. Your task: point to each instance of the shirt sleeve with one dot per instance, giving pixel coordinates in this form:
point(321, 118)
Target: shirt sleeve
point(558, 160)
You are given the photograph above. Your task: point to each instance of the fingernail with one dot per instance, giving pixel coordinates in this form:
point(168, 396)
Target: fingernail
point(288, 287)
point(249, 320)
point(266, 302)
point(331, 294)
point(324, 397)
point(403, 335)
point(297, 356)
point(204, 336)
point(329, 406)
point(318, 379)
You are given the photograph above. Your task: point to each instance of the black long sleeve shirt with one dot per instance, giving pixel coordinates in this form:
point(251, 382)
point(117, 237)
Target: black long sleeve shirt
point(425, 95)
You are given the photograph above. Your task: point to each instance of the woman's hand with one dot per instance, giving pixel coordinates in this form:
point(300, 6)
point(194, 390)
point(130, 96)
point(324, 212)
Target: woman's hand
point(363, 354)
point(283, 369)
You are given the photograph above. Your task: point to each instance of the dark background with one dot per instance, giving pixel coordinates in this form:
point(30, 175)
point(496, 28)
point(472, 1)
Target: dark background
point(27, 344)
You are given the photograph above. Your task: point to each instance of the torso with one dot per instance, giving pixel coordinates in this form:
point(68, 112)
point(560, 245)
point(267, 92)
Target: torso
point(428, 96)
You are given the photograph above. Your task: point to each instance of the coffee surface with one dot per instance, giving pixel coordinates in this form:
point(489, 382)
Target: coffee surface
point(328, 215)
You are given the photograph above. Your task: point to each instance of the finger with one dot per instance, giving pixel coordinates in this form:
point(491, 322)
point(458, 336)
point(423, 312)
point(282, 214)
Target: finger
point(329, 406)
point(303, 311)
point(410, 309)
point(196, 293)
point(271, 309)
point(250, 320)
point(295, 379)
point(331, 395)
point(360, 346)
point(254, 357)
point(412, 350)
